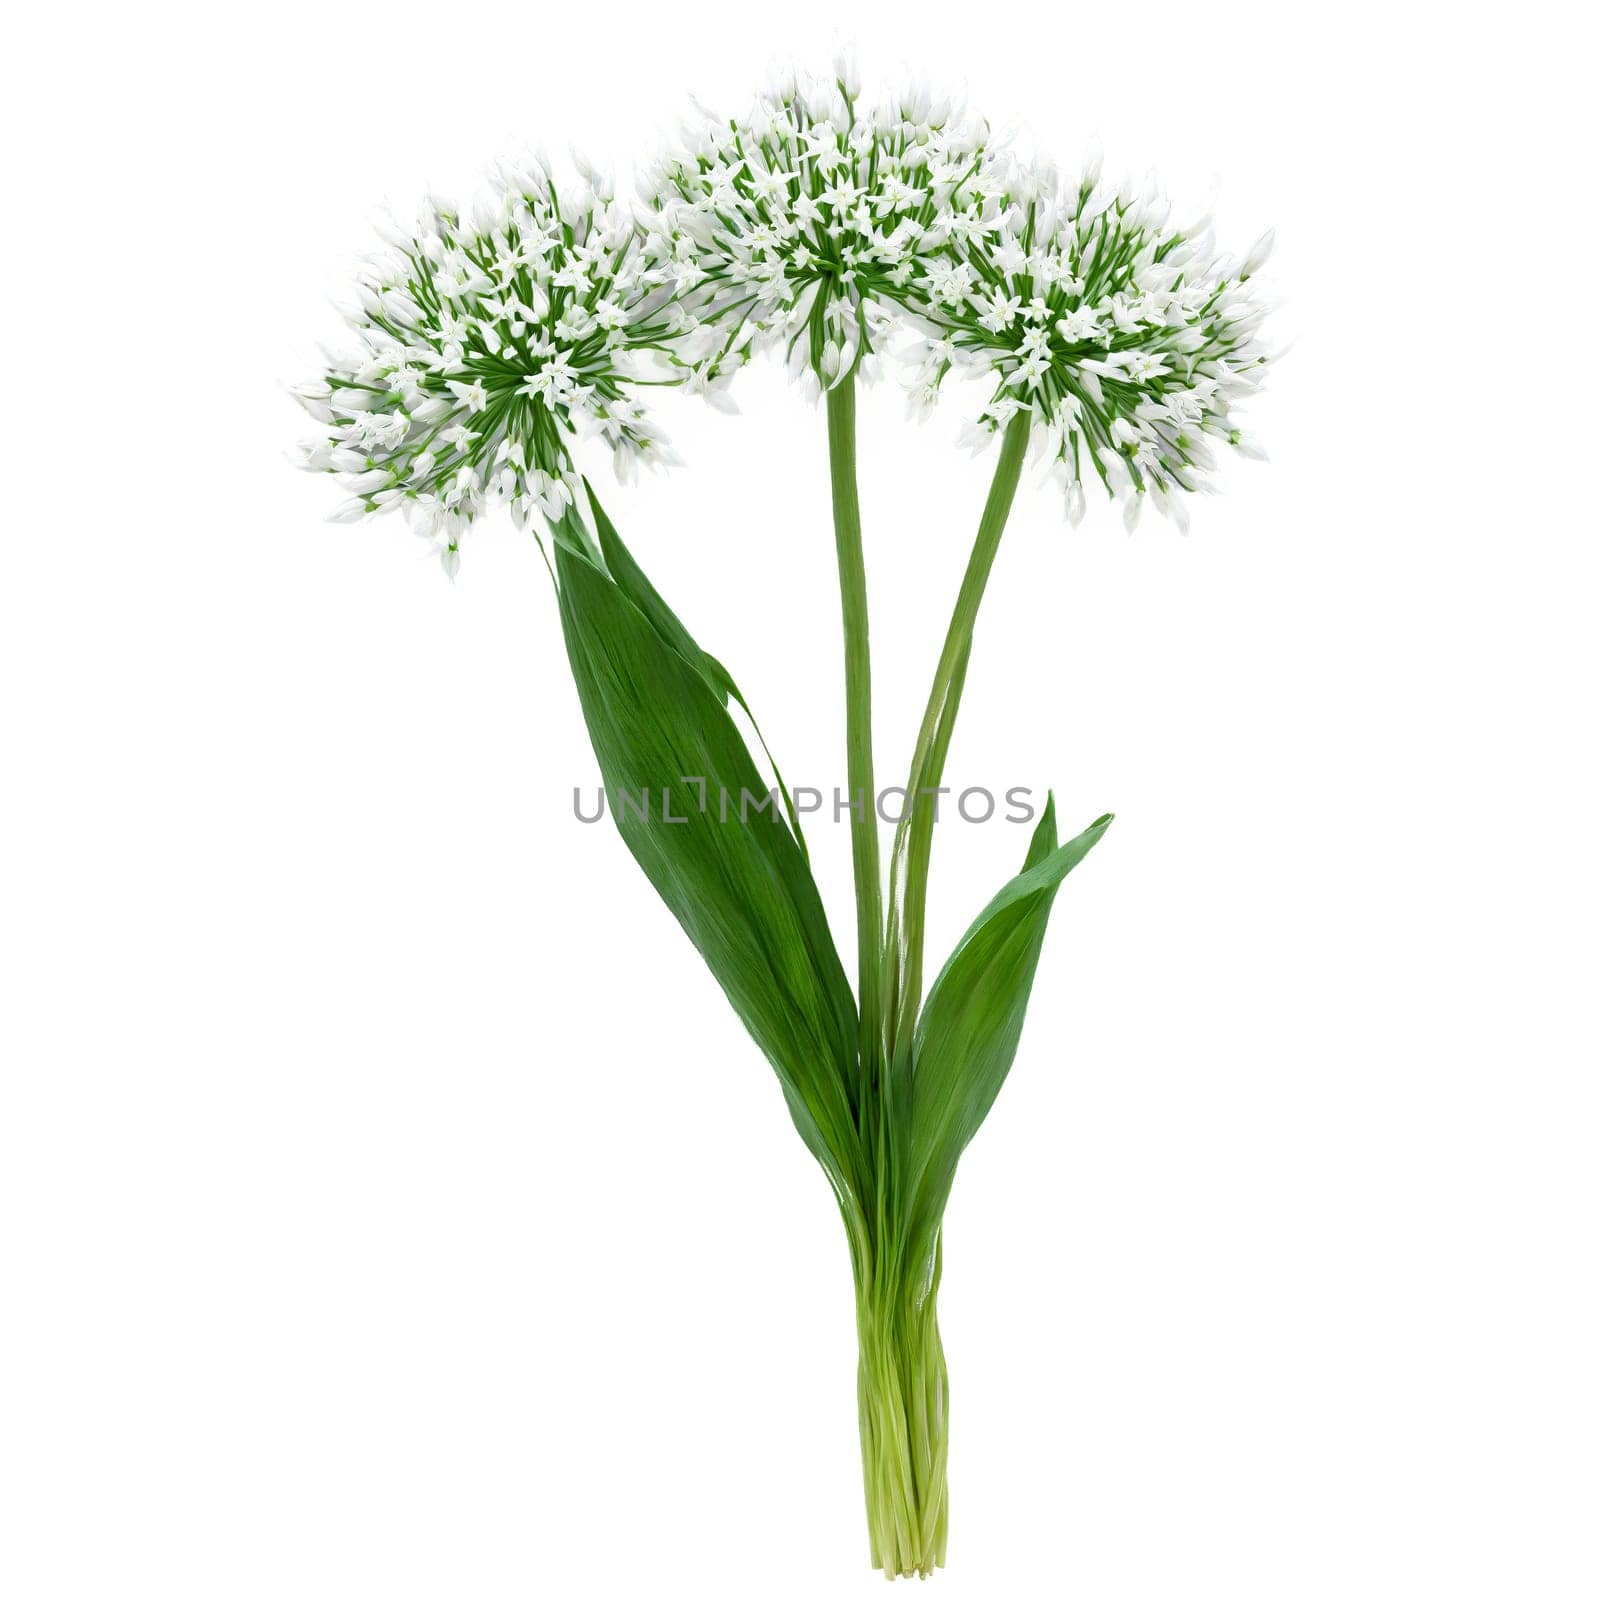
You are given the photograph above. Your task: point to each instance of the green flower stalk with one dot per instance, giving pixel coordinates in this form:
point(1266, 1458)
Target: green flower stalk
point(840, 235)
point(863, 787)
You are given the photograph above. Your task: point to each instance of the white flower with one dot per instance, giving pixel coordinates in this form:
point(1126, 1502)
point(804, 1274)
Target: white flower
point(472, 395)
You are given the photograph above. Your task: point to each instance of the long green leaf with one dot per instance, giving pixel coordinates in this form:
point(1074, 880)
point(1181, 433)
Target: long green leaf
point(631, 580)
point(967, 1035)
point(738, 885)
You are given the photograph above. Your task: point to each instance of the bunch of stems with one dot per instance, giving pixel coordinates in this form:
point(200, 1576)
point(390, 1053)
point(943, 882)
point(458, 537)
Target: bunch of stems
point(903, 1386)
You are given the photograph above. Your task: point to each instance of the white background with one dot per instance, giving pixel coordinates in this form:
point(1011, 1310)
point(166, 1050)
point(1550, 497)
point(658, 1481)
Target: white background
point(390, 1206)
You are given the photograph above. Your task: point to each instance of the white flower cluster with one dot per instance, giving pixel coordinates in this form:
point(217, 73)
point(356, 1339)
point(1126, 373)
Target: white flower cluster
point(804, 220)
point(486, 341)
point(1127, 340)
point(813, 224)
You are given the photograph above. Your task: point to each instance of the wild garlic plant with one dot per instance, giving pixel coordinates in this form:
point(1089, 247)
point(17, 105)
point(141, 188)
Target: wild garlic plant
point(1116, 348)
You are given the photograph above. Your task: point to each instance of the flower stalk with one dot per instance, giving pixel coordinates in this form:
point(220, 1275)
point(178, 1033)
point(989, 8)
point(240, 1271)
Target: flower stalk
point(904, 1389)
point(913, 840)
point(841, 407)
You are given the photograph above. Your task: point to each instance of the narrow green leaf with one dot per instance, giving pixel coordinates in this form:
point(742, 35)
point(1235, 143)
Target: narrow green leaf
point(631, 580)
point(732, 874)
point(967, 1035)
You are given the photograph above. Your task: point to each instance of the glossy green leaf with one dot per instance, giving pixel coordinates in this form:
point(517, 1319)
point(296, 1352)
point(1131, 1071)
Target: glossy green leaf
point(729, 869)
point(631, 580)
point(968, 1031)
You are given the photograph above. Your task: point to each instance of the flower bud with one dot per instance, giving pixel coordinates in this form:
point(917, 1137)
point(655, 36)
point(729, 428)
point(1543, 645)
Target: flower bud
point(1093, 160)
point(1076, 503)
point(1259, 252)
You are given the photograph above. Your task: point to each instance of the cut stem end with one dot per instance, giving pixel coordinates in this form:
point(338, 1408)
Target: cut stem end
point(904, 1394)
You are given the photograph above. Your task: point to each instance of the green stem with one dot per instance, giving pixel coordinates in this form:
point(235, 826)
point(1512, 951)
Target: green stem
point(913, 841)
point(858, 717)
point(904, 1395)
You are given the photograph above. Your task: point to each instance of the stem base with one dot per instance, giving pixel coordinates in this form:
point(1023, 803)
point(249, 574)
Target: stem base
point(904, 1395)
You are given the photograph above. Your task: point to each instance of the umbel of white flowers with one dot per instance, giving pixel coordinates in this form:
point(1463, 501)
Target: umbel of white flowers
point(814, 225)
point(1127, 341)
point(802, 223)
point(486, 342)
